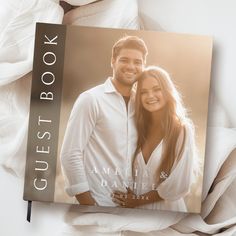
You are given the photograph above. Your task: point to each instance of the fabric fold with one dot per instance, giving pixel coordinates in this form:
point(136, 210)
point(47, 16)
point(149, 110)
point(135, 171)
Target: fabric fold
point(17, 37)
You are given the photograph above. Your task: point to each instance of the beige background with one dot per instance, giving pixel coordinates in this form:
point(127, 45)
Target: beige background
point(186, 57)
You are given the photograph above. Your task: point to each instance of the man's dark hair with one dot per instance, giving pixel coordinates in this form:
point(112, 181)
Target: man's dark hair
point(130, 42)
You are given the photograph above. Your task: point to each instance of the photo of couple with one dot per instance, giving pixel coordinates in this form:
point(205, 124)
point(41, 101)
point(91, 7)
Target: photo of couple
point(129, 141)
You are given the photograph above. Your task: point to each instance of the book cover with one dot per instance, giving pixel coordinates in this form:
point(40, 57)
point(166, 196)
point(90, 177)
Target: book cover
point(118, 118)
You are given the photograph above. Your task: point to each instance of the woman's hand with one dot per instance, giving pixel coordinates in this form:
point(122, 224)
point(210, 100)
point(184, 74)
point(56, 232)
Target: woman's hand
point(125, 199)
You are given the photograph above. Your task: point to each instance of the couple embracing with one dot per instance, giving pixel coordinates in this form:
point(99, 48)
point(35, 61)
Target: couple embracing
point(129, 141)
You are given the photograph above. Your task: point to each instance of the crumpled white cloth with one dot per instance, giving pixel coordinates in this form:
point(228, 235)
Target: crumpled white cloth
point(16, 50)
point(79, 2)
point(105, 13)
point(17, 34)
point(17, 24)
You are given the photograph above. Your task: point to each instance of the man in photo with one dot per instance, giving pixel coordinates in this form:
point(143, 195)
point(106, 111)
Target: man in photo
point(101, 137)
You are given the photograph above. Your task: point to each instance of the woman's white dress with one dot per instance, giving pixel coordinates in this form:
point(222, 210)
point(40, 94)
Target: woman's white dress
point(175, 186)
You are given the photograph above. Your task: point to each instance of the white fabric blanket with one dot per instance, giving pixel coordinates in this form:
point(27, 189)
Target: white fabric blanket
point(16, 53)
point(18, 23)
point(17, 27)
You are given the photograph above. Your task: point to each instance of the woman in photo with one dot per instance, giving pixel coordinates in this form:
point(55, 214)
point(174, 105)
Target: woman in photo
point(165, 162)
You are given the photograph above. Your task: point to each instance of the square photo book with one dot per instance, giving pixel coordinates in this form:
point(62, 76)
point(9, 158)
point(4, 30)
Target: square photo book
point(118, 118)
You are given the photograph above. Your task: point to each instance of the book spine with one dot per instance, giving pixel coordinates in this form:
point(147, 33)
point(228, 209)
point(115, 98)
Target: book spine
point(44, 117)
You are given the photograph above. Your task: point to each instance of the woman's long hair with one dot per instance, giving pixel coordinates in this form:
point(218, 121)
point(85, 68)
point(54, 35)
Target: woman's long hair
point(174, 122)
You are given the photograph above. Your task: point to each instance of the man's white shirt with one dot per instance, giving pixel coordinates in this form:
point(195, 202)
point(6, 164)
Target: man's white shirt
point(99, 144)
